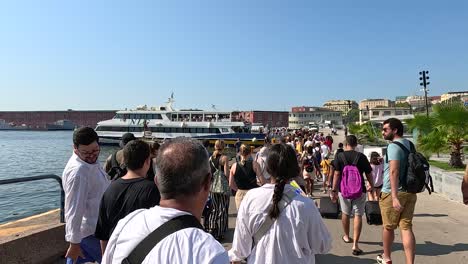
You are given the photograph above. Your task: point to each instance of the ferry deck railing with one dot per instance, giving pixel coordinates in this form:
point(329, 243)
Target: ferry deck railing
point(42, 177)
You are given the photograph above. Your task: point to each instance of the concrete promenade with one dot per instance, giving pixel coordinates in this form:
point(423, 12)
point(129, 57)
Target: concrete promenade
point(440, 227)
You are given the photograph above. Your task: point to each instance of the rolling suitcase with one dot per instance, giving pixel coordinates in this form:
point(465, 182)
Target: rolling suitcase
point(373, 215)
point(329, 209)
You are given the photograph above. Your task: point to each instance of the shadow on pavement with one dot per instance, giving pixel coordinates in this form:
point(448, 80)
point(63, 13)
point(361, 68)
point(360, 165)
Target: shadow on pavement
point(427, 249)
point(330, 258)
point(430, 215)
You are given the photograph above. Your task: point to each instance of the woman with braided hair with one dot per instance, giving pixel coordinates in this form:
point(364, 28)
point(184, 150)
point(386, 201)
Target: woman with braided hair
point(274, 223)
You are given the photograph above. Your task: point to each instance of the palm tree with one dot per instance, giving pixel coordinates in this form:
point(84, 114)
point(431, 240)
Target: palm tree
point(447, 125)
point(366, 134)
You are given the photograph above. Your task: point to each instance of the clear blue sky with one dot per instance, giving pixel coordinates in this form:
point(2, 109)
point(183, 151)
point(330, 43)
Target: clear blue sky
point(267, 55)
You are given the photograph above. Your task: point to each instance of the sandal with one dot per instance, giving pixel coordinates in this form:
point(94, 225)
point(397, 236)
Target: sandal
point(347, 241)
point(357, 252)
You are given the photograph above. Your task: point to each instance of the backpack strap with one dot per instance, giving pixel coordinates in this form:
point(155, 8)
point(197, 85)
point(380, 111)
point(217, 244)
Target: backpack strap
point(356, 159)
point(140, 252)
point(214, 166)
point(286, 199)
point(342, 157)
point(404, 148)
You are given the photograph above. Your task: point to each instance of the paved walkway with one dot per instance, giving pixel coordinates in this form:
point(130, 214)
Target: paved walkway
point(440, 226)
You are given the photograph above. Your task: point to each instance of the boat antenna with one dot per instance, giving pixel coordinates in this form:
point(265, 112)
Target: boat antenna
point(213, 106)
point(170, 102)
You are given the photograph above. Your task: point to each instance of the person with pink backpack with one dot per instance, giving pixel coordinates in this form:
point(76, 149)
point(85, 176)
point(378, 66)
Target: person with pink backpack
point(348, 186)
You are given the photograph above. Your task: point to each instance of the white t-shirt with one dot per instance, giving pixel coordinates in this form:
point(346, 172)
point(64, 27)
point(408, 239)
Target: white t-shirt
point(190, 245)
point(308, 143)
point(295, 237)
point(325, 150)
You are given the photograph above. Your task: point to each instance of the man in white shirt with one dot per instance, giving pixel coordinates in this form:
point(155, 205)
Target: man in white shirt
point(84, 182)
point(183, 177)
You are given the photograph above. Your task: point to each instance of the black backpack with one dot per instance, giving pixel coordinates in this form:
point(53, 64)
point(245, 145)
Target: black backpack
point(309, 163)
point(116, 170)
point(417, 173)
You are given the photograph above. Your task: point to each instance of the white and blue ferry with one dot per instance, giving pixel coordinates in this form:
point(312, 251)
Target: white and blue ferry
point(165, 122)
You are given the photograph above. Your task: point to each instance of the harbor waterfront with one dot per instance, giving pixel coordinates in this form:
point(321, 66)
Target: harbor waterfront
point(32, 153)
point(439, 222)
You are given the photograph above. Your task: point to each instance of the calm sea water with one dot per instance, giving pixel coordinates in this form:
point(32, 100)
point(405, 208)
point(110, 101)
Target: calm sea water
point(31, 153)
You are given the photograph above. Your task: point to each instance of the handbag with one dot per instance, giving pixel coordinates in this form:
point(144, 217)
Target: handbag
point(219, 184)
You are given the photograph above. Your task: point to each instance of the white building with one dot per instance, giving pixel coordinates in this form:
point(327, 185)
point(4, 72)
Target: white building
point(383, 113)
point(303, 116)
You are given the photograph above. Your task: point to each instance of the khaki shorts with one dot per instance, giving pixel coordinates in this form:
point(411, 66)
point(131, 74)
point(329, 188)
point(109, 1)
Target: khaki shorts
point(390, 217)
point(239, 197)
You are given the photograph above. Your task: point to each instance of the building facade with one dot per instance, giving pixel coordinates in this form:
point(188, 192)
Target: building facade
point(373, 103)
point(39, 119)
point(450, 95)
point(341, 105)
point(382, 113)
point(266, 118)
point(400, 99)
point(417, 102)
point(303, 116)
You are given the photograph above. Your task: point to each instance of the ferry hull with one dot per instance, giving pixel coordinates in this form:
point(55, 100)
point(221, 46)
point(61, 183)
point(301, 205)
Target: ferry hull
point(255, 139)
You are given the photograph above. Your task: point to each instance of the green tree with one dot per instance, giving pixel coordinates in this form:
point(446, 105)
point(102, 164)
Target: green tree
point(405, 104)
point(446, 126)
point(366, 134)
point(352, 116)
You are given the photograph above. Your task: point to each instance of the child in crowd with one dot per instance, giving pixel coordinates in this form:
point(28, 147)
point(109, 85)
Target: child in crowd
point(376, 162)
point(325, 164)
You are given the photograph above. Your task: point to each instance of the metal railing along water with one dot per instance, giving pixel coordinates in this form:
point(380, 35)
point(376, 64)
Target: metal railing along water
point(42, 177)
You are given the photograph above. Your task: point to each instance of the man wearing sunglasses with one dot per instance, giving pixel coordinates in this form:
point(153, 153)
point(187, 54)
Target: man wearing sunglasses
point(84, 181)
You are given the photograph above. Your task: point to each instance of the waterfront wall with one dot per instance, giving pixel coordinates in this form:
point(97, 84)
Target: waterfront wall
point(39, 119)
point(44, 247)
point(447, 183)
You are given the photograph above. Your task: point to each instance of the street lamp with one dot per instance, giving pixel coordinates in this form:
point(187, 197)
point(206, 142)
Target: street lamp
point(424, 77)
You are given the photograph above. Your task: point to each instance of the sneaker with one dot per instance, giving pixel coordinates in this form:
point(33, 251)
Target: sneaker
point(381, 260)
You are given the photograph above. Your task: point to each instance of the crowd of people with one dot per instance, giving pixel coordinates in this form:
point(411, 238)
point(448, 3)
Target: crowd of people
point(169, 203)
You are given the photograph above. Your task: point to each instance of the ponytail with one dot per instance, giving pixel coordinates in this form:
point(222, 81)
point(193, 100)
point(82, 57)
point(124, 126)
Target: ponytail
point(277, 195)
point(219, 147)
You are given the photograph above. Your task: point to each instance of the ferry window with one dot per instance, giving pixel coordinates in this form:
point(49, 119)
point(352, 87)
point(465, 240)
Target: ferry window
point(186, 130)
point(375, 113)
point(397, 112)
point(131, 116)
point(224, 129)
point(193, 130)
point(200, 130)
point(134, 129)
point(154, 129)
point(386, 113)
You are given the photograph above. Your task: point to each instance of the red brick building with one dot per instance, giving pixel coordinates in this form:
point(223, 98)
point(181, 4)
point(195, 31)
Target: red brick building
point(266, 118)
point(39, 119)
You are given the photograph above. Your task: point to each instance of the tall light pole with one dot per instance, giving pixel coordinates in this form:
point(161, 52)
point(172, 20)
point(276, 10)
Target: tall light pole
point(424, 77)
